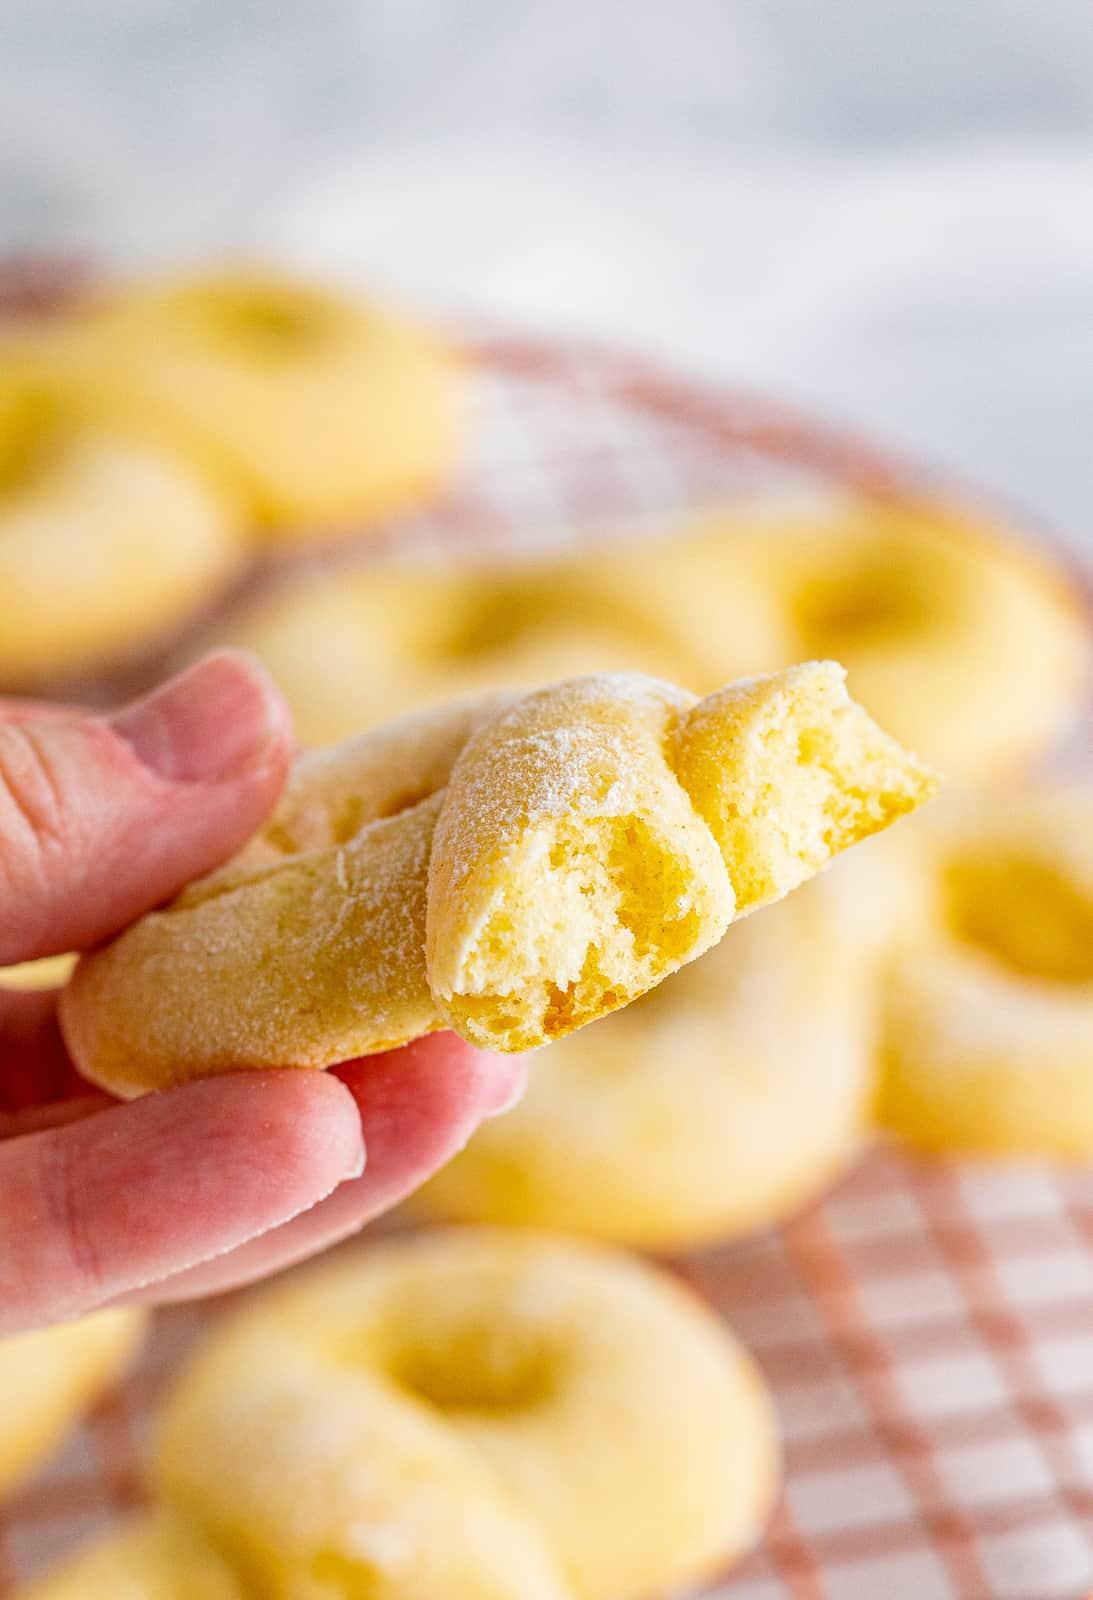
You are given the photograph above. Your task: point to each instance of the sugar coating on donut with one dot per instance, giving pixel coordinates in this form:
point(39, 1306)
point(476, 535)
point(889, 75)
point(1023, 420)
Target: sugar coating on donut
point(569, 867)
point(455, 1414)
point(987, 1017)
point(602, 833)
point(510, 868)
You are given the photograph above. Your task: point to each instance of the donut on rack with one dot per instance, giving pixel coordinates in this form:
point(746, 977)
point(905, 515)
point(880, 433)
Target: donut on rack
point(322, 411)
point(973, 647)
point(108, 538)
point(49, 1378)
point(488, 1414)
point(352, 647)
point(510, 869)
point(715, 1106)
point(970, 644)
point(987, 1043)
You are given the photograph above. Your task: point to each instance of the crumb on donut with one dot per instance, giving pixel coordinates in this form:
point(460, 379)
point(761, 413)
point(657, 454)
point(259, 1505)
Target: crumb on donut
point(788, 772)
point(573, 873)
point(658, 825)
point(609, 910)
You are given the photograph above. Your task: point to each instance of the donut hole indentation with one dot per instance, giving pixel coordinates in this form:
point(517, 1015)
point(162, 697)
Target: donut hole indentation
point(270, 324)
point(338, 1574)
point(501, 616)
point(878, 601)
point(1026, 915)
point(491, 1368)
point(33, 438)
point(505, 614)
point(331, 823)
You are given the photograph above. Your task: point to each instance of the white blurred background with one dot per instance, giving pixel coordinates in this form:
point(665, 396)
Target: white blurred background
point(883, 208)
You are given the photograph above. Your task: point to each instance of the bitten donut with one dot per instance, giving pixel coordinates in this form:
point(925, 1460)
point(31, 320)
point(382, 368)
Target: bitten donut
point(325, 411)
point(354, 647)
point(49, 1377)
point(971, 647)
point(510, 870)
point(507, 1416)
point(107, 539)
point(988, 1011)
point(716, 1105)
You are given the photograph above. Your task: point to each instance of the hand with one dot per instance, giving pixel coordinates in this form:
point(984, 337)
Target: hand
point(217, 1182)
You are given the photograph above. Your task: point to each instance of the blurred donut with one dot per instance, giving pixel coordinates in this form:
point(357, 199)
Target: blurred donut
point(327, 412)
point(474, 1412)
point(50, 1376)
point(352, 648)
point(154, 1557)
point(107, 539)
point(972, 647)
point(714, 1106)
point(988, 1011)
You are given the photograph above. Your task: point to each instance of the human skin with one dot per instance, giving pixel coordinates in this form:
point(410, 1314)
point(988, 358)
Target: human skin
point(217, 1182)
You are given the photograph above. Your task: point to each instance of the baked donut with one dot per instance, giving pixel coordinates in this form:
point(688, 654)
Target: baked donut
point(154, 1557)
point(511, 870)
point(50, 1376)
point(971, 647)
point(495, 1414)
point(325, 411)
point(987, 1043)
point(351, 648)
point(50, 972)
point(714, 1106)
point(107, 539)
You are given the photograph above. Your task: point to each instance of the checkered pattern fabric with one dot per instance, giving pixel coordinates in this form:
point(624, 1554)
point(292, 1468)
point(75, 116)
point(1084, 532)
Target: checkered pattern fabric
point(927, 1329)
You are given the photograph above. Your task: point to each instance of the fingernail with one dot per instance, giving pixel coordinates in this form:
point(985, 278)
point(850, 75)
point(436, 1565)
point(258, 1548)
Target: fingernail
point(508, 1092)
point(214, 721)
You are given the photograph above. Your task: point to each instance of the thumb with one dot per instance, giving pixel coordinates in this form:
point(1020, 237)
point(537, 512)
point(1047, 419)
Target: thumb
point(102, 818)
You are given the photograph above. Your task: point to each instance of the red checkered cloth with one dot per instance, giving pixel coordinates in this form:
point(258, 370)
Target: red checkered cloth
point(927, 1329)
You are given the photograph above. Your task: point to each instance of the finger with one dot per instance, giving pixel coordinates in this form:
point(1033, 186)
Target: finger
point(139, 1192)
point(35, 1068)
point(37, 710)
point(102, 818)
point(418, 1107)
point(33, 1119)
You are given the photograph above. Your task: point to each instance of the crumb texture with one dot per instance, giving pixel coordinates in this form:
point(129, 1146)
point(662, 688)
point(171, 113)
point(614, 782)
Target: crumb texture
point(788, 772)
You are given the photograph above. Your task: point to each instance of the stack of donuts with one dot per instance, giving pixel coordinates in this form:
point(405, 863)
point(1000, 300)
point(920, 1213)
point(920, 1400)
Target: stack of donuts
point(499, 1411)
